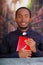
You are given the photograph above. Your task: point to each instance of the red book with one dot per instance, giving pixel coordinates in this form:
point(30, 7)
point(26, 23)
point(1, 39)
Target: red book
point(22, 44)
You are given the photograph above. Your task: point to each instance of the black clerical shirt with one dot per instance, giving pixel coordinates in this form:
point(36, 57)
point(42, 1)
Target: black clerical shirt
point(9, 44)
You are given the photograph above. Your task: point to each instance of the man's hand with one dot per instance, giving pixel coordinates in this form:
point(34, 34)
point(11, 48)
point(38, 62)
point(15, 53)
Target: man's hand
point(32, 44)
point(25, 53)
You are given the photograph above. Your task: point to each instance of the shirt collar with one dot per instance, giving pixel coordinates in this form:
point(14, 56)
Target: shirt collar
point(22, 33)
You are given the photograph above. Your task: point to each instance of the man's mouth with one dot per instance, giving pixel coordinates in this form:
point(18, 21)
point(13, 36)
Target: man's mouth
point(23, 23)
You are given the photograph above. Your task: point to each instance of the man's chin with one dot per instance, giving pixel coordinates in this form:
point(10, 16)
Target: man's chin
point(23, 28)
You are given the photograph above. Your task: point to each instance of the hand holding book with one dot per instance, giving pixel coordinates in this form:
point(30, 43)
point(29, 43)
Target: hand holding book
point(22, 44)
point(23, 49)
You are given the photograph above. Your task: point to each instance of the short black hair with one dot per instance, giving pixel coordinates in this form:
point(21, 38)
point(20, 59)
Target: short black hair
point(22, 8)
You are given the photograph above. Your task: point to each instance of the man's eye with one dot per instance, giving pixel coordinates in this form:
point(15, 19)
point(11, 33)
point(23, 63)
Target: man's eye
point(26, 16)
point(19, 16)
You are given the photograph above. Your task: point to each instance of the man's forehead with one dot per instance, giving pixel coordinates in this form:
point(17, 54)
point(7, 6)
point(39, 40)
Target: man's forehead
point(22, 10)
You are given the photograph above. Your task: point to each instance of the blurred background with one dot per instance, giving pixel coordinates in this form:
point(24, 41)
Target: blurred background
point(7, 15)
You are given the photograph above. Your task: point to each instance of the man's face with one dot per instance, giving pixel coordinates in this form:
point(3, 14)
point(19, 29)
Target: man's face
point(23, 18)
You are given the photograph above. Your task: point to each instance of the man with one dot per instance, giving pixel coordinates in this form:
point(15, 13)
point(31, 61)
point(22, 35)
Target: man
point(10, 42)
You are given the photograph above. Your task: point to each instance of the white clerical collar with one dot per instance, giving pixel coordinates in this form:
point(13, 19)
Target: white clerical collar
point(24, 33)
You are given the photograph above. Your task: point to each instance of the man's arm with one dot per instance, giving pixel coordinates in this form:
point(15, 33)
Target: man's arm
point(37, 50)
point(5, 51)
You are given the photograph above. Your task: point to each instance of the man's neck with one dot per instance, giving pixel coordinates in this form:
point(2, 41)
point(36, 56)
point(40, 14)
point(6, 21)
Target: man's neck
point(23, 30)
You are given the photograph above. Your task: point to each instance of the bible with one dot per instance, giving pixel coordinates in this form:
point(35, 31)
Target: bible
point(22, 44)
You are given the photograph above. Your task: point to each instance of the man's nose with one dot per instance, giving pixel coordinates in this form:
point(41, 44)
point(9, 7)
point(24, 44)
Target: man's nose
point(23, 18)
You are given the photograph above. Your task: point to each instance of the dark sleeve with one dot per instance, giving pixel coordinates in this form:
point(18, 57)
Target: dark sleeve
point(5, 50)
point(39, 47)
point(39, 53)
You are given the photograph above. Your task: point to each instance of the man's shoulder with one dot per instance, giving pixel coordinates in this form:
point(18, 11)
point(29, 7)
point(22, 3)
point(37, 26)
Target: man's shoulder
point(11, 34)
point(35, 33)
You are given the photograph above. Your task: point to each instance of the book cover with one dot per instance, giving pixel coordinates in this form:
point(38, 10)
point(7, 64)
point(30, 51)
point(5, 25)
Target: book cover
point(22, 44)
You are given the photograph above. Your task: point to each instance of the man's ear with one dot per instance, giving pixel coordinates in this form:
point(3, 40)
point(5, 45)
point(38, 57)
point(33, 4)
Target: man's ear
point(30, 20)
point(15, 19)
